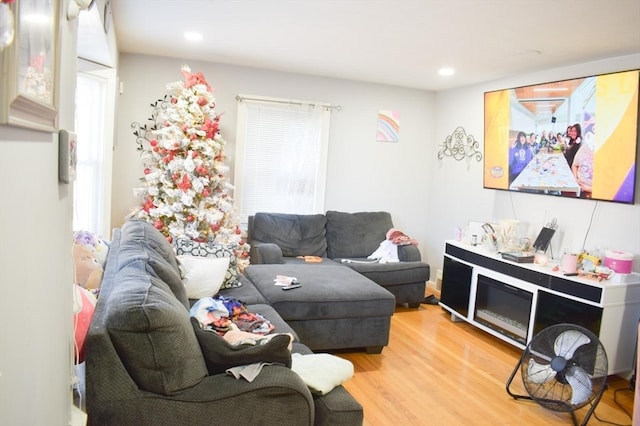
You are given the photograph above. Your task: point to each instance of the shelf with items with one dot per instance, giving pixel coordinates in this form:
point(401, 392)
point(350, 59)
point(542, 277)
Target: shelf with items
point(514, 301)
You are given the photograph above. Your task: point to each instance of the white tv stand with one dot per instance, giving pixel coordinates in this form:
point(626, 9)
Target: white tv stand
point(515, 301)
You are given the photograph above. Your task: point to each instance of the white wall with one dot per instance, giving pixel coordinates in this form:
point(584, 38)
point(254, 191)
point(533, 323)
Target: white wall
point(362, 174)
point(456, 187)
point(428, 198)
point(36, 272)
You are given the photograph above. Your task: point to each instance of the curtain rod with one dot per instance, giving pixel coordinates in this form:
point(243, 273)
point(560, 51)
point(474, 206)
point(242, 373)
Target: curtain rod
point(276, 101)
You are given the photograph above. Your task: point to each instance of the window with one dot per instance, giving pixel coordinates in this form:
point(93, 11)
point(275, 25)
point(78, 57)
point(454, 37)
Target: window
point(281, 156)
point(95, 97)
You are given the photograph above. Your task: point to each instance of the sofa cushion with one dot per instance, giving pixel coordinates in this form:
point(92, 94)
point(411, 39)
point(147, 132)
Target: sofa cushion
point(219, 355)
point(356, 234)
point(162, 269)
point(393, 273)
point(328, 291)
point(247, 293)
point(137, 249)
point(267, 311)
point(140, 230)
point(152, 333)
point(296, 235)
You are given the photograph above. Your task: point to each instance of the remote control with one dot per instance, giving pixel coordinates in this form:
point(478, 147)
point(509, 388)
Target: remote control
point(291, 287)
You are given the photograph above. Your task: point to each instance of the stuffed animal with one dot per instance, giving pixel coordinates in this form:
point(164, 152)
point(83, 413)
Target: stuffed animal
point(88, 270)
point(89, 255)
point(97, 244)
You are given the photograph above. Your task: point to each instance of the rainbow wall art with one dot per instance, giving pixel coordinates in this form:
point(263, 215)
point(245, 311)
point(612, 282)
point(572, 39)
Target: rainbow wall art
point(388, 126)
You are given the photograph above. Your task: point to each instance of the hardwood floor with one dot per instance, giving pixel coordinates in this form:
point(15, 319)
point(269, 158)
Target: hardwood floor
point(437, 372)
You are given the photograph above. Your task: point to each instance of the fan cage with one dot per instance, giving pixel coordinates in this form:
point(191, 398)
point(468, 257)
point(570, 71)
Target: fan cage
point(556, 393)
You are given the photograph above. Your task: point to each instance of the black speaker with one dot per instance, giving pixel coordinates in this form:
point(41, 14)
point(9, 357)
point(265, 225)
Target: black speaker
point(553, 119)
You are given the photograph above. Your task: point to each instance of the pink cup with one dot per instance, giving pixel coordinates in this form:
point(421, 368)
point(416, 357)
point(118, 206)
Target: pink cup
point(570, 263)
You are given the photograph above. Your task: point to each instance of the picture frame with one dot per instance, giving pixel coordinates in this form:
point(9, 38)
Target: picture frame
point(28, 86)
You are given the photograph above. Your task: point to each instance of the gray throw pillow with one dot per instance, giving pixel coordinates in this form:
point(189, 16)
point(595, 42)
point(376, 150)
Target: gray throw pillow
point(219, 355)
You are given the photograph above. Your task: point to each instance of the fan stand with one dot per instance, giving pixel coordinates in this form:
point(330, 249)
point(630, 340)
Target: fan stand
point(593, 404)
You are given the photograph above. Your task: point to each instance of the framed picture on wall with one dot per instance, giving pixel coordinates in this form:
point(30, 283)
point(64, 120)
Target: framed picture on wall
point(28, 92)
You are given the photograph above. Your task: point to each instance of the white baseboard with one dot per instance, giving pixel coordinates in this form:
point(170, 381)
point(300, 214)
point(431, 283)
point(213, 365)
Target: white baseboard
point(432, 288)
point(78, 417)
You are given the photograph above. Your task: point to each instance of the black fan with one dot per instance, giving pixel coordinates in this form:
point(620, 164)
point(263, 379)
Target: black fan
point(563, 368)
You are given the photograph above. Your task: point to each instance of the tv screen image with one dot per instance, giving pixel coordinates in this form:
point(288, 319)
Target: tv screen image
point(573, 138)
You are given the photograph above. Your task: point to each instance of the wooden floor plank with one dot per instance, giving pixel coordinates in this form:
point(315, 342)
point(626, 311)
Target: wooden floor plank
point(439, 372)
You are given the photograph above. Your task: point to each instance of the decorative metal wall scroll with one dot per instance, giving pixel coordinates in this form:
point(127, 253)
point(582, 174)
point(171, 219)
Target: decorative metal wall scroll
point(459, 145)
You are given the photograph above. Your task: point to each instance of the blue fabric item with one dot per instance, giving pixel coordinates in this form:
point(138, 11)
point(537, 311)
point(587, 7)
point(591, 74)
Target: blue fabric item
point(519, 157)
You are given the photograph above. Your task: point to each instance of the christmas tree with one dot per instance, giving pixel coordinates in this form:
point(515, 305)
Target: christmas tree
point(184, 190)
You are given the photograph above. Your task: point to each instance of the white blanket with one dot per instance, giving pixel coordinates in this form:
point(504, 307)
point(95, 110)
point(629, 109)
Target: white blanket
point(386, 252)
point(321, 372)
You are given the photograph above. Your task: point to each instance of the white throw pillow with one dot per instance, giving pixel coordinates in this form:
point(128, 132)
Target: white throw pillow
point(203, 276)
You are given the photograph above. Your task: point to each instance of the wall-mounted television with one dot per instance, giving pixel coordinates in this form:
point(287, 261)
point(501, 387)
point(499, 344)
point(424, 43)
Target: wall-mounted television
point(572, 138)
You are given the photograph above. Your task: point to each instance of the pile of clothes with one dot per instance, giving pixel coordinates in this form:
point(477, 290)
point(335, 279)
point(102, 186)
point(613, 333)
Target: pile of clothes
point(223, 314)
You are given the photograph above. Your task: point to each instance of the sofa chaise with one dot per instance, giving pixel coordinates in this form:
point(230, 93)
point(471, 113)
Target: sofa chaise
point(146, 364)
point(339, 238)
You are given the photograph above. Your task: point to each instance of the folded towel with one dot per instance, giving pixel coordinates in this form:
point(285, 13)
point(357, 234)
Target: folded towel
point(248, 372)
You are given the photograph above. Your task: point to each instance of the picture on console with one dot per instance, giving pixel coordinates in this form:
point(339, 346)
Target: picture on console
point(573, 138)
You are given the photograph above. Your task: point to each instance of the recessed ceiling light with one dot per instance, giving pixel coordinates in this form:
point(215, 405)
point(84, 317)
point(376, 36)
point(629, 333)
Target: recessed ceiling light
point(193, 36)
point(446, 71)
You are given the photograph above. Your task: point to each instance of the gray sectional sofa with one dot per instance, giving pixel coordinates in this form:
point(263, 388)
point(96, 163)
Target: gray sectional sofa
point(339, 238)
point(147, 364)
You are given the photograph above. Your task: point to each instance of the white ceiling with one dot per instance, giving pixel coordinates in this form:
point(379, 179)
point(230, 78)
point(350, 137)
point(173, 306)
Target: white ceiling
point(401, 42)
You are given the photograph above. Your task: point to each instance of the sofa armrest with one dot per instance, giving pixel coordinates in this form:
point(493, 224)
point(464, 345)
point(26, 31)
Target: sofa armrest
point(409, 253)
point(265, 253)
point(218, 399)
